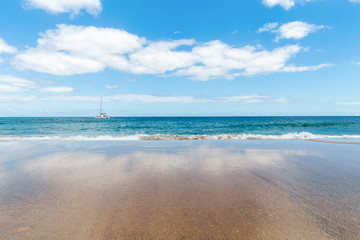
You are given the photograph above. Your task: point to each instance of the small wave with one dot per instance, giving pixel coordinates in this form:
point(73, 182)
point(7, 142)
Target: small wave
point(155, 137)
point(292, 125)
point(72, 138)
point(288, 136)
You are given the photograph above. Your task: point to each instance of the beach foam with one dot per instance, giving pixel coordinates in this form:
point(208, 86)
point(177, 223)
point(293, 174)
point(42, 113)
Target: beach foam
point(155, 137)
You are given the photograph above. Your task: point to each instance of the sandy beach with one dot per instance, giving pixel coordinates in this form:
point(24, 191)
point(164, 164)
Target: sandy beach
point(179, 190)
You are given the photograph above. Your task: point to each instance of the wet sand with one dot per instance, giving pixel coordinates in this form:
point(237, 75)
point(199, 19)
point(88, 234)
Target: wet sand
point(337, 142)
point(179, 190)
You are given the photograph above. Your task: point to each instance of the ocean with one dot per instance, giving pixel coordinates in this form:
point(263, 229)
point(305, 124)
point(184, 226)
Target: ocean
point(178, 128)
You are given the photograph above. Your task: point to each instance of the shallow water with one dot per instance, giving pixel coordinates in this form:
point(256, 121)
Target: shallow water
point(179, 190)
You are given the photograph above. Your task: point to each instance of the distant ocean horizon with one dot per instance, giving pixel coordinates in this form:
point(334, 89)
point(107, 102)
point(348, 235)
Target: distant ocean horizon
point(179, 128)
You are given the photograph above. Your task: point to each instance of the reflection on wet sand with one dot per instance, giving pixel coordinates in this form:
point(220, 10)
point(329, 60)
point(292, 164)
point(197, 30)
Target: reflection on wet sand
point(172, 190)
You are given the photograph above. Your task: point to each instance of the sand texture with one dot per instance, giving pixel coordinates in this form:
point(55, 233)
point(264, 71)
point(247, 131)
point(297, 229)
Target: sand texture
point(180, 190)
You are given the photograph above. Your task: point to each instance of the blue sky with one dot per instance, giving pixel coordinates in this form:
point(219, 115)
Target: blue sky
point(180, 57)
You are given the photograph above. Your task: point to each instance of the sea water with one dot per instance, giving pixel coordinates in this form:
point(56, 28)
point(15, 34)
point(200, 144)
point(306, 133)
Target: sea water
point(178, 128)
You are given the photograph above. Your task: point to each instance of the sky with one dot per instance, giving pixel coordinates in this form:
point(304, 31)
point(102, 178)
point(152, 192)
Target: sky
point(179, 57)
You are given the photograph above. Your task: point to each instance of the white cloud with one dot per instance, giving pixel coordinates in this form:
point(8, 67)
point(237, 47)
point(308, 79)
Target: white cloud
point(219, 60)
point(14, 84)
point(295, 30)
point(111, 86)
point(11, 84)
point(267, 27)
point(90, 41)
point(70, 50)
point(160, 57)
point(356, 63)
point(145, 98)
point(152, 98)
point(10, 89)
point(57, 89)
point(89, 50)
point(16, 98)
point(286, 4)
point(66, 6)
point(126, 98)
point(354, 1)
point(5, 48)
point(306, 68)
point(253, 98)
point(56, 63)
point(16, 81)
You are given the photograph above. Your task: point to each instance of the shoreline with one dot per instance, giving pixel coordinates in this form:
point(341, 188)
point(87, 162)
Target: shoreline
point(324, 141)
point(178, 137)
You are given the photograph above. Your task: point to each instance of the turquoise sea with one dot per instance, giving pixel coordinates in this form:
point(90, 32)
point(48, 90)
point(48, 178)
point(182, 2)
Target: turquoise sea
point(178, 128)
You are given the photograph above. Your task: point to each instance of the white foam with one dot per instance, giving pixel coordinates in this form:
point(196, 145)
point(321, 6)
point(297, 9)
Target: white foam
point(288, 136)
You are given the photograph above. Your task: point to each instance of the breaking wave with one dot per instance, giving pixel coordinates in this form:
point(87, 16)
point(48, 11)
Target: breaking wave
point(155, 137)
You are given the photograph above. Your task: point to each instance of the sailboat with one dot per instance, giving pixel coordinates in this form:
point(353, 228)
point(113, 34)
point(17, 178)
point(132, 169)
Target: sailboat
point(102, 115)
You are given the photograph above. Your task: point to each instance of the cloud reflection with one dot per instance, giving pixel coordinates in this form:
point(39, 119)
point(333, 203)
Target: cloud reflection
point(95, 167)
